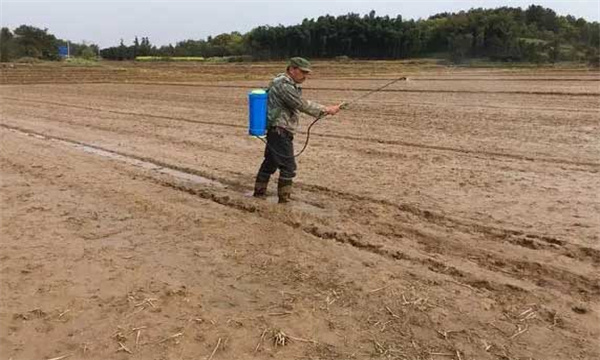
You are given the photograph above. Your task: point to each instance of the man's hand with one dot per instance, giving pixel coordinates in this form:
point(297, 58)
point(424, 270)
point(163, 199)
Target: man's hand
point(334, 109)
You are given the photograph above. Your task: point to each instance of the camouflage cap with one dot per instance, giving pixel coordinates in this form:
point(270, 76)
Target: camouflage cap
point(300, 63)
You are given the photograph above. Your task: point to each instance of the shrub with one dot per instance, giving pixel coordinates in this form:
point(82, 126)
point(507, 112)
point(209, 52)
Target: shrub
point(342, 58)
point(169, 58)
point(28, 60)
point(77, 61)
point(88, 54)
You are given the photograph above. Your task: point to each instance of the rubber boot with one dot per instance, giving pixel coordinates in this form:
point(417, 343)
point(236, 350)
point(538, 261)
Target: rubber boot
point(260, 188)
point(284, 190)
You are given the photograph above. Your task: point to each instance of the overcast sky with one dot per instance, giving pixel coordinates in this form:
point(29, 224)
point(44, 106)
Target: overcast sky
point(105, 22)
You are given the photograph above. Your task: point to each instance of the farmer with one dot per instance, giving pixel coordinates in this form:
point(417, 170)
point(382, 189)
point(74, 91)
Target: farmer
point(284, 106)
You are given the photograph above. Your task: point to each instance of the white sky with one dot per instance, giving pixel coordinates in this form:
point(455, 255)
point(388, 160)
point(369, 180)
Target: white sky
point(105, 22)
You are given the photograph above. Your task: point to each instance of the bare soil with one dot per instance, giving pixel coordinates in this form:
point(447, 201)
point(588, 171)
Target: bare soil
point(453, 216)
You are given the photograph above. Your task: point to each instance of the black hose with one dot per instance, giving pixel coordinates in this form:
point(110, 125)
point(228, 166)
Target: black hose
point(305, 143)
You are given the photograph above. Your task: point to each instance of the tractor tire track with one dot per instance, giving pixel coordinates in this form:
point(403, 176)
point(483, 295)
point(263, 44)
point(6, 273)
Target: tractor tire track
point(501, 235)
point(534, 270)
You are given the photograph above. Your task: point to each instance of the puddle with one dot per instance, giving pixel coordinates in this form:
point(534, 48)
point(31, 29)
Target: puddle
point(197, 179)
point(191, 177)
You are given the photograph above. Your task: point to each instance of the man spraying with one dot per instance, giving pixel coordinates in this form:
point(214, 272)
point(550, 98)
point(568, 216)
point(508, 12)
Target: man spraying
point(284, 105)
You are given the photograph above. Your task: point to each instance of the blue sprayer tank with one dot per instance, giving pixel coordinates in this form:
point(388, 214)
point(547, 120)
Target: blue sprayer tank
point(257, 115)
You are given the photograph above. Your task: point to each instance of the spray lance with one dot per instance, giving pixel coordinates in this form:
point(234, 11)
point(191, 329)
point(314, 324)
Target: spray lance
point(257, 100)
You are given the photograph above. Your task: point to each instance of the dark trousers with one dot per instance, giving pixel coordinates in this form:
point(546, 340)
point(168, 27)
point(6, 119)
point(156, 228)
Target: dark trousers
point(279, 154)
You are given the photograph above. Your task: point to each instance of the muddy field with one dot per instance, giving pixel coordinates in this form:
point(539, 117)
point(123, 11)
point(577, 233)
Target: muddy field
point(453, 216)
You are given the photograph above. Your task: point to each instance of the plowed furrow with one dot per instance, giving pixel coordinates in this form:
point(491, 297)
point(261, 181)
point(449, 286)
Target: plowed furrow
point(487, 154)
point(541, 275)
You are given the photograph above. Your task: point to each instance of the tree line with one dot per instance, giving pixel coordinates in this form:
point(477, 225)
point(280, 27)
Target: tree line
point(536, 34)
point(29, 42)
point(223, 45)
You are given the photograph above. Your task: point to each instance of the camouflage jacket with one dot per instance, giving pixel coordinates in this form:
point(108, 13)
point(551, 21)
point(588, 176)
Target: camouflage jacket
point(285, 104)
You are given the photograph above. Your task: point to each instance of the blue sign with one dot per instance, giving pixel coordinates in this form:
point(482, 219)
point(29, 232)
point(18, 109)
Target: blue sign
point(63, 50)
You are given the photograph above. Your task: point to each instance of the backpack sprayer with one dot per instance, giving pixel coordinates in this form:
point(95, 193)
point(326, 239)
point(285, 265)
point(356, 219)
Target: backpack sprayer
point(257, 119)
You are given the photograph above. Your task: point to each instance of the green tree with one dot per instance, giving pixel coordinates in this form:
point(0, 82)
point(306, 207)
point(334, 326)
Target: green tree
point(6, 45)
point(36, 43)
point(136, 48)
point(122, 52)
point(145, 48)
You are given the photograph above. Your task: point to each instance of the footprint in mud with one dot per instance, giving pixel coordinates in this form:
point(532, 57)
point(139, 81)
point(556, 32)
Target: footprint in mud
point(296, 205)
point(580, 309)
